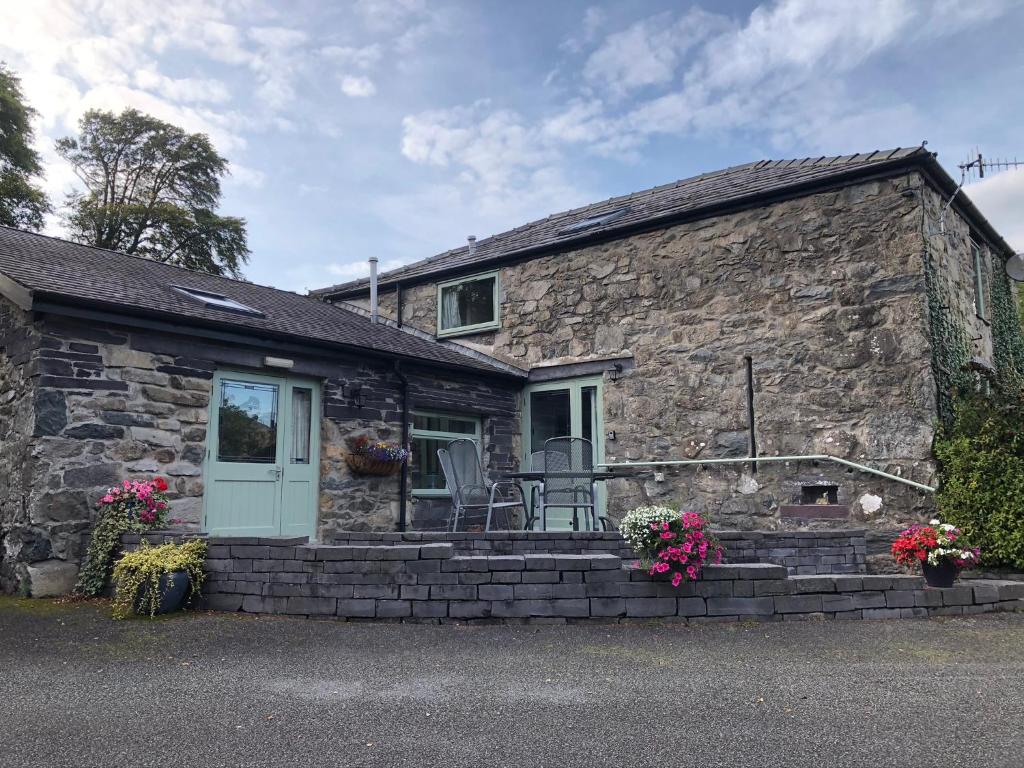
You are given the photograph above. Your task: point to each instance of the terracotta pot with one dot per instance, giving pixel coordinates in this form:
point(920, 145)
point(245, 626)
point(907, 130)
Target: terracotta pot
point(941, 575)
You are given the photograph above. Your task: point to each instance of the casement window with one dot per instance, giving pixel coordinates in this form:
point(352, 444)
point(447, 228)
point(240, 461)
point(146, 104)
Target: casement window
point(468, 305)
point(980, 282)
point(431, 431)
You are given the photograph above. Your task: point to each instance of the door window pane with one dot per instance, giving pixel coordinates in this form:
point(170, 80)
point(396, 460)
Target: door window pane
point(302, 418)
point(589, 395)
point(549, 417)
point(247, 423)
point(468, 303)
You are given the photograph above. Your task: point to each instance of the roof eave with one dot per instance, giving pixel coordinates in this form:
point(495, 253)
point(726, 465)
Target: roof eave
point(166, 321)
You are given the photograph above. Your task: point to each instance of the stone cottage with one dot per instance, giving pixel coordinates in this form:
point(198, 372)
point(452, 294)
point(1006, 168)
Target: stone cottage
point(113, 366)
point(778, 309)
point(822, 306)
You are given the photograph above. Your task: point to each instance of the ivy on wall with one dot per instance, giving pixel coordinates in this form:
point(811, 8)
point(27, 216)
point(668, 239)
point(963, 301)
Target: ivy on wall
point(951, 349)
point(1007, 337)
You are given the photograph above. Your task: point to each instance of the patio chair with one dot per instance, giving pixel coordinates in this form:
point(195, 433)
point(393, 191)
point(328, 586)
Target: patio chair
point(569, 480)
point(470, 489)
point(536, 465)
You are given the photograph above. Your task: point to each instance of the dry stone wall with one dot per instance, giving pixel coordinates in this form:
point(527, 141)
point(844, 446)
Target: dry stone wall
point(824, 294)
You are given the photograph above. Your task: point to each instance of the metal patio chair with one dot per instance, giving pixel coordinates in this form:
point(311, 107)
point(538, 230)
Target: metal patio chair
point(470, 489)
point(536, 465)
point(569, 480)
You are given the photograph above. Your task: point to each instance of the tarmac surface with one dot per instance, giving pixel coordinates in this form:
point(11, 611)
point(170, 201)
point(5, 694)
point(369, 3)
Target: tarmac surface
point(77, 689)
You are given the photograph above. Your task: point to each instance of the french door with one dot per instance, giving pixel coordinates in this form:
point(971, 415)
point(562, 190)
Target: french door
point(567, 408)
point(263, 456)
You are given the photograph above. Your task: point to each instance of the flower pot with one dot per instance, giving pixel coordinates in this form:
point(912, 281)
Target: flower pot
point(365, 465)
point(173, 593)
point(941, 575)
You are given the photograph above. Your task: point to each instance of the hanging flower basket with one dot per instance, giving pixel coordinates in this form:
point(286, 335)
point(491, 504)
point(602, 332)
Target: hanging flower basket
point(366, 465)
point(377, 459)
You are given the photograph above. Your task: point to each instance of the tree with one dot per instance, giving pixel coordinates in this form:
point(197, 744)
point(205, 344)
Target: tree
point(152, 189)
point(21, 203)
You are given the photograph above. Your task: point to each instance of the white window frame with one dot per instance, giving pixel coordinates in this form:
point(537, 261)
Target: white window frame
point(449, 436)
point(463, 330)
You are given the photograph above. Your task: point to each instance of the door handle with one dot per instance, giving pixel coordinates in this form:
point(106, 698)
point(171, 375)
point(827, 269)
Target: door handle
point(276, 472)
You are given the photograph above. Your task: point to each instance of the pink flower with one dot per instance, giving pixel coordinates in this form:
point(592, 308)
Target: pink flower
point(677, 579)
point(664, 526)
point(661, 567)
point(654, 526)
point(668, 535)
point(691, 572)
point(688, 547)
point(108, 499)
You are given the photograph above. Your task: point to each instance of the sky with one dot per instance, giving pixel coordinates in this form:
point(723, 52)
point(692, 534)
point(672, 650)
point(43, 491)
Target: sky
point(396, 128)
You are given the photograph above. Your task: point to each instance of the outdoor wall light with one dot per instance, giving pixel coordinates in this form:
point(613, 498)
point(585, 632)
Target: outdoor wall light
point(278, 362)
point(615, 371)
point(355, 394)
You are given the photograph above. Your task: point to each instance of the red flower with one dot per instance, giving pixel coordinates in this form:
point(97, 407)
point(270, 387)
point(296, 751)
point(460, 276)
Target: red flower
point(160, 484)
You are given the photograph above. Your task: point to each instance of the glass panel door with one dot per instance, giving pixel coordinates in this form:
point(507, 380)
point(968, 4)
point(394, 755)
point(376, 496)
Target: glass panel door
point(570, 408)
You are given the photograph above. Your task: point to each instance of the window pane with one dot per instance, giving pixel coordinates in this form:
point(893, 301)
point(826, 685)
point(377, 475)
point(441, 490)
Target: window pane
point(247, 423)
point(441, 423)
point(469, 303)
point(302, 417)
point(426, 469)
point(549, 416)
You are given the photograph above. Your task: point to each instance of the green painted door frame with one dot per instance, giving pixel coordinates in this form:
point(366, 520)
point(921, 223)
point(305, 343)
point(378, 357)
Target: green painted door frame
point(263, 478)
point(573, 393)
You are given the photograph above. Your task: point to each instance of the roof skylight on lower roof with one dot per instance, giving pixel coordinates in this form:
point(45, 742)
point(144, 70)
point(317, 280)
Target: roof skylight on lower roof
point(595, 221)
point(217, 301)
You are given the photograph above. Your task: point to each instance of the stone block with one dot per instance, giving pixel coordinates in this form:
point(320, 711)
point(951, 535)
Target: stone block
point(506, 563)
point(848, 583)
point(507, 577)
point(315, 606)
point(803, 584)
point(644, 607)
point(250, 552)
point(867, 600)
point(51, 578)
point(605, 562)
point(475, 578)
point(539, 562)
point(453, 592)
point(437, 551)
point(533, 591)
point(414, 592)
point(423, 566)
point(713, 588)
point(461, 564)
point(603, 589)
point(741, 606)
point(607, 606)
point(691, 606)
point(719, 572)
point(741, 588)
point(364, 608)
point(568, 591)
point(401, 552)
point(517, 608)
point(392, 609)
point(438, 578)
point(759, 571)
point(849, 615)
point(572, 562)
point(928, 598)
point(433, 609)
point(615, 575)
point(772, 587)
point(376, 591)
point(496, 592)
point(345, 591)
point(1010, 590)
point(957, 596)
point(837, 603)
point(798, 603)
point(469, 609)
point(984, 593)
point(222, 602)
point(571, 608)
point(899, 598)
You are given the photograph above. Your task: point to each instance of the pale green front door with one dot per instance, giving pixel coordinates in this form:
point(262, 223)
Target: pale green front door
point(568, 408)
point(263, 463)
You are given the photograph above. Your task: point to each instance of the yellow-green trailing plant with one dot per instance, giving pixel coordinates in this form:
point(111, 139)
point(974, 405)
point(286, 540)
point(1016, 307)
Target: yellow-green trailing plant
point(137, 574)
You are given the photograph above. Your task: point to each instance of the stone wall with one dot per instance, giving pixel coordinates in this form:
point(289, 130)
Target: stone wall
point(801, 552)
point(429, 582)
point(824, 294)
point(85, 406)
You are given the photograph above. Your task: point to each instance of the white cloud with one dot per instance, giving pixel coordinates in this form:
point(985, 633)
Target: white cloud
point(350, 56)
point(183, 89)
point(1001, 199)
point(357, 86)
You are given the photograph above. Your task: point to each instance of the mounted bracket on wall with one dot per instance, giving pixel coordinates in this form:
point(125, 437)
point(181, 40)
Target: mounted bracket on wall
point(355, 394)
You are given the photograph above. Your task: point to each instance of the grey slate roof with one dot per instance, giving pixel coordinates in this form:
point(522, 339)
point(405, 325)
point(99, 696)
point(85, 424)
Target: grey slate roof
point(68, 273)
point(686, 197)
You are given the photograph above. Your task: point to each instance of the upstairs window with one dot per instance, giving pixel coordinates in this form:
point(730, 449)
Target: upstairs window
point(980, 282)
point(217, 301)
point(468, 305)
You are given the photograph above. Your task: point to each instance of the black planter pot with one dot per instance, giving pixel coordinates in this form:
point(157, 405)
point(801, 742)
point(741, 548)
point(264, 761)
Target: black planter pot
point(941, 575)
point(172, 593)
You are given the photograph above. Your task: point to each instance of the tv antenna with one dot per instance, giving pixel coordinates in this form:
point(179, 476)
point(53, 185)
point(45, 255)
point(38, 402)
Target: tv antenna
point(978, 164)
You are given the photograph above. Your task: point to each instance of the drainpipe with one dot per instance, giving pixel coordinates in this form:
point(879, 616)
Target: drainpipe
point(373, 289)
point(403, 481)
point(398, 302)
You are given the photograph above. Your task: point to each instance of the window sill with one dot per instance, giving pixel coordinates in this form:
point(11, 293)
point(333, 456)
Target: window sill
point(469, 330)
point(431, 493)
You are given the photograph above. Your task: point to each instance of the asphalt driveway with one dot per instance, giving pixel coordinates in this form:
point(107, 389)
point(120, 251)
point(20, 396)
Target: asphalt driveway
point(77, 689)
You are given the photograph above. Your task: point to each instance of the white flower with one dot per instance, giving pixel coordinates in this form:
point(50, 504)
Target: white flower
point(933, 522)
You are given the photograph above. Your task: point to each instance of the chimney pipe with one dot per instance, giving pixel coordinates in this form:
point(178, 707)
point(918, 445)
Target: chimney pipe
point(472, 244)
point(373, 289)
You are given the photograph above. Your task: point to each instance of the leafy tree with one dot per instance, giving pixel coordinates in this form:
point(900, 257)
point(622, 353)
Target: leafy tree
point(152, 189)
point(21, 203)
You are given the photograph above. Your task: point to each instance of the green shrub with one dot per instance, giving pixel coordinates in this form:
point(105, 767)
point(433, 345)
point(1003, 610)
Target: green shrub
point(982, 488)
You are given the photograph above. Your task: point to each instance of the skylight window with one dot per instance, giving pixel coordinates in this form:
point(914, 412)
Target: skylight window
point(217, 301)
point(595, 221)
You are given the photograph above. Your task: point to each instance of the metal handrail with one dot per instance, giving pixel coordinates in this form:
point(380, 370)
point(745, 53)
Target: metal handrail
point(809, 457)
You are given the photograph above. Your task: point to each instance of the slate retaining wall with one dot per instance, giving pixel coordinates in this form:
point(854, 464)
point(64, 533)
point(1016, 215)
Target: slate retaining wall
point(430, 582)
point(801, 552)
